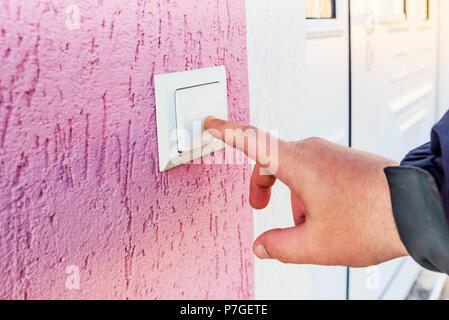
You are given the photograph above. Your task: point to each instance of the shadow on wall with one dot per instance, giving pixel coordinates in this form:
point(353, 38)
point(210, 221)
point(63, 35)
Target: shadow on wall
point(84, 212)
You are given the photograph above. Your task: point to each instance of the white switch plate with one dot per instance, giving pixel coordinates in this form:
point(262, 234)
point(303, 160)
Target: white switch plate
point(181, 99)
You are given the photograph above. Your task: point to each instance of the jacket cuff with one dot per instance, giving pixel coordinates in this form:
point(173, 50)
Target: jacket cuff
point(419, 215)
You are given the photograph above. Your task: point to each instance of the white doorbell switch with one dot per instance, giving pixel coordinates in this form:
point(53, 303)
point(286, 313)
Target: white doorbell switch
point(183, 101)
point(193, 106)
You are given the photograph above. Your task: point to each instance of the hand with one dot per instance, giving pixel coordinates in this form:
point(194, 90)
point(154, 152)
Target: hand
point(340, 200)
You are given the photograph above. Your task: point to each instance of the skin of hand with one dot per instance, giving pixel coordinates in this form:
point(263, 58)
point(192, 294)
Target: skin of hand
point(340, 201)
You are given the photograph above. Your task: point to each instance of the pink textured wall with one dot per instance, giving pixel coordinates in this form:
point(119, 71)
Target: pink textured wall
point(79, 183)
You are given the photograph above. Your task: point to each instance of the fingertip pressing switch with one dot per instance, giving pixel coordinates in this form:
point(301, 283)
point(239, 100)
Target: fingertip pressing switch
point(183, 101)
point(193, 106)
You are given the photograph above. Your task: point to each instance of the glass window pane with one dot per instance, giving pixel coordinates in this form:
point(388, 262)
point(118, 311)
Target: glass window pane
point(320, 9)
point(400, 7)
point(405, 8)
point(423, 10)
point(392, 8)
point(391, 11)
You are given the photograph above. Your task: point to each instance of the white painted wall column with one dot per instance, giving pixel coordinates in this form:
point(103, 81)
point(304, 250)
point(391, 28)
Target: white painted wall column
point(276, 63)
point(279, 99)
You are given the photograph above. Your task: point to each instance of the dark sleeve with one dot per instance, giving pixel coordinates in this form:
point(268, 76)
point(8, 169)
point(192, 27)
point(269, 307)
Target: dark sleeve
point(420, 198)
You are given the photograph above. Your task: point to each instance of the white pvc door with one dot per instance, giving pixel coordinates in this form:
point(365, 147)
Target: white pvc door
point(394, 58)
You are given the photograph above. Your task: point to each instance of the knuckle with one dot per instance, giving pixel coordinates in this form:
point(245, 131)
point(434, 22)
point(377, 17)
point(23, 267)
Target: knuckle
point(309, 147)
point(281, 254)
point(312, 142)
point(283, 259)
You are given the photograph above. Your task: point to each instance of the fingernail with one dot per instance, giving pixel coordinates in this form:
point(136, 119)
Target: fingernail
point(209, 118)
point(261, 253)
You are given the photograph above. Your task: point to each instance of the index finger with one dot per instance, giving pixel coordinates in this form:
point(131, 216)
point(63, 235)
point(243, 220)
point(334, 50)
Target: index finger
point(268, 151)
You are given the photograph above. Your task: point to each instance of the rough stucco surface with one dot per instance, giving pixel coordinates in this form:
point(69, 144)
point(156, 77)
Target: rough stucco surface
point(79, 180)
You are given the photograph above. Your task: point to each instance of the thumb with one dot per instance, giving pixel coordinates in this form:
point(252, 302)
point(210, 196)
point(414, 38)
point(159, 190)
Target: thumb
point(286, 245)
